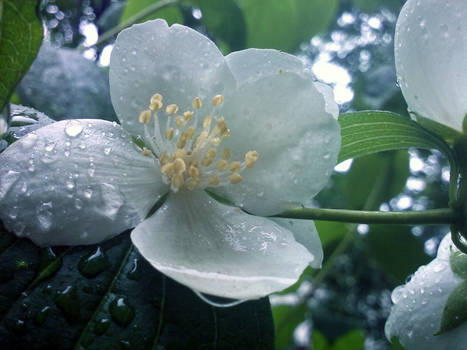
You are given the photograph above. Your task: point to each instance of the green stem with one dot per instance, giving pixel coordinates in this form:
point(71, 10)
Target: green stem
point(434, 216)
point(134, 19)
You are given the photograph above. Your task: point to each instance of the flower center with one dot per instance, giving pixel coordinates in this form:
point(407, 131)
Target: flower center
point(189, 151)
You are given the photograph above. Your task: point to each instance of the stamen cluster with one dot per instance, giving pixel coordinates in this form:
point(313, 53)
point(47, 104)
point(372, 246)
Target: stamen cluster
point(188, 153)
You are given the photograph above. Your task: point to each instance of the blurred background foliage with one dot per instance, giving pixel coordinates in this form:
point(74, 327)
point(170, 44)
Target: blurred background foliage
point(347, 44)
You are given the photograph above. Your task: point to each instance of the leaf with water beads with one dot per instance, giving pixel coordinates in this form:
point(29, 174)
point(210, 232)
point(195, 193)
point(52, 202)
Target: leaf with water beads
point(455, 311)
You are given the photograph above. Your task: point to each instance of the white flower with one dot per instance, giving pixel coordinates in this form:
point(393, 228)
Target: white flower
point(431, 59)
point(84, 181)
point(419, 304)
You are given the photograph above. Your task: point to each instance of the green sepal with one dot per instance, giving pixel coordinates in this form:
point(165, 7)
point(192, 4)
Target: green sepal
point(458, 261)
point(455, 311)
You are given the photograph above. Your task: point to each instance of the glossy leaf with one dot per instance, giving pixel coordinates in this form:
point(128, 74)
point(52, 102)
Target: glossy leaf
point(370, 132)
point(109, 297)
point(455, 310)
point(284, 24)
point(132, 7)
point(458, 262)
point(20, 39)
point(387, 244)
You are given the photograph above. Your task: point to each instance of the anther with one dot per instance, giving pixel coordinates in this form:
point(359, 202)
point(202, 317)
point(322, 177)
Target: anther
point(190, 132)
point(217, 100)
point(188, 115)
point(207, 122)
point(179, 166)
point(168, 169)
point(197, 103)
point(156, 102)
point(250, 158)
point(214, 181)
point(171, 109)
point(222, 165)
point(193, 171)
point(180, 153)
point(206, 161)
point(146, 152)
point(192, 183)
point(211, 153)
point(169, 134)
point(235, 166)
point(180, 121)
point(235, 178)
point(164, 159)
point(145, 117)
point(181, 143)
point(177, 181)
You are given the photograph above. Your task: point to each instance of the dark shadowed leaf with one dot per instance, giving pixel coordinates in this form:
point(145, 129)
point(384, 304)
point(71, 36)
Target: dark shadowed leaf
point(396, 250)
point(109, 297)
point(63, 84)
point(132, 7)
point(284, 24)
point(20, 39)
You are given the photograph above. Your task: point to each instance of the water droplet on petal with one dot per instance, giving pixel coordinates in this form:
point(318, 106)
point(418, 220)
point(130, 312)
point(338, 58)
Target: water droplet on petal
point(73, 128)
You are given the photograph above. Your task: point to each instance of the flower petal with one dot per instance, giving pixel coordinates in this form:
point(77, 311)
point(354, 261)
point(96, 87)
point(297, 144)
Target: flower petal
point(253, 64)
point(175, 61)
point(418, 306)
point(76, 182)
point(431, 56)
point(305, 233)
point(283, 117)
point(218, 249)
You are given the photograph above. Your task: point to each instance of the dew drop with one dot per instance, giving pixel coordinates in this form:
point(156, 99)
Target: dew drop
point(73, 128)
point(41, 315)
point(78, 204)
point(94, 263)
point(67, 301)
point(101, 326)
point(135, 271)
point(29, 140)
point(88, 193)
point(120, 310)
point(107, 151)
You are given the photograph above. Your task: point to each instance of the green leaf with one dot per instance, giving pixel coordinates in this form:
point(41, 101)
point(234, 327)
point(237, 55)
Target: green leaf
point(286, 319)
point(353, 340)
point(395, 344)
point(108, 297)
point(284, 24)
point(224, 21)
point(371, 6)
point(458, 262)
point(20, 39)
point(318, 341)
point(447, 133)
point(366, 170)
point(455, 310)
point(63, 84)
point(370, 132)
point(386, 244)
point(132, 7)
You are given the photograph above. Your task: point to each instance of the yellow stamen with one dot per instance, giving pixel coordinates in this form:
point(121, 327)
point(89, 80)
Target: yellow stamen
point(180, 121)
point(211, 153)
point(250, 158)
point(235, 166)
point(168, 169)
point(214, 181)
point(206, 161)
point(146, 152)
point(193, 171)
point(164, 159)
point(177, 181)
point(222, 165)
point(188, 115)
point(145, 117)
point(169, 134)
point(180, 153)
point(171, 109)
point(179, 166)
point(217, 100)
point(235, 178)
point(156, 102)
point(197, 103)
point(207, 122)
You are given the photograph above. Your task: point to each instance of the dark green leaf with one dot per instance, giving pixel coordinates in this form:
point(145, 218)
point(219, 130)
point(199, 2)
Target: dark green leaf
point(284, 24)
point(386, 244)
point(132, 7)
point(365, 172)
point(224, 21)
point(63, 84)
point(20, 39)
point(376, 5)
point(370, 132)
point(286, 319)
point(353, 340)
point(447, 133)
point(455, 310)
point(458, 261)
point(318, 341)
point(395, 344)
point(109, 297)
